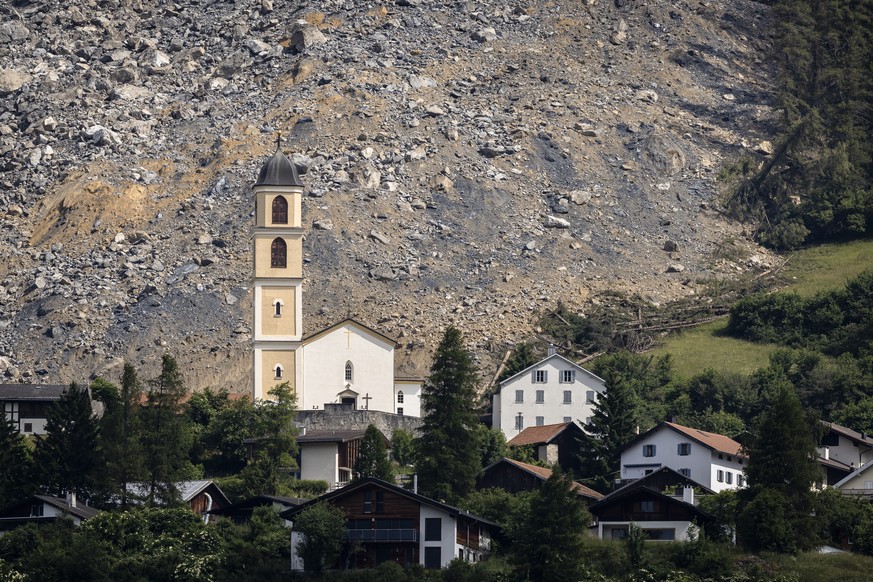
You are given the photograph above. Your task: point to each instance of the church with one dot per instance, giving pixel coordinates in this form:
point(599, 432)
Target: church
point(347, 363)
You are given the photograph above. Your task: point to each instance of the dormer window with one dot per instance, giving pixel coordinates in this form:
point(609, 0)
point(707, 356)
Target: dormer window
point(280, 210)
point(278, 254)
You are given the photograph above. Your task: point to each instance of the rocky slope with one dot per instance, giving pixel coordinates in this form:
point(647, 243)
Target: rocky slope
point(465, 162)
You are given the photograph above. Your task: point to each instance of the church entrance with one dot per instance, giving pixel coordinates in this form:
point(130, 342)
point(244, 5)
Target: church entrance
point(349, 402)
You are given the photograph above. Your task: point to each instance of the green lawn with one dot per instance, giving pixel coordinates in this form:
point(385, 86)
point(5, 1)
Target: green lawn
point(809, 270)
point(827, 266)
point(705, 346)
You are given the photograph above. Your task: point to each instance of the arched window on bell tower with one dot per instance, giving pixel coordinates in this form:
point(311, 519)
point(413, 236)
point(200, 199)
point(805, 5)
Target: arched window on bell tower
point(280, 210)
point(350, 372)
point(278, 254)
point(279, 369)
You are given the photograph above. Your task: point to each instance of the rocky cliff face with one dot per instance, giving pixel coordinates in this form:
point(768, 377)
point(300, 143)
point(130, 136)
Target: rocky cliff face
point(465, 162)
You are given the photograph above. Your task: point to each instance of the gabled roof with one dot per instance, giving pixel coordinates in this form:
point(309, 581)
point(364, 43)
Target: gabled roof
point(629, 490)
point(543, 361)
point(856, 437)
point(32, 391)
point(661, 474)
point(711, 440)
point(188, 490)
point(81, 511)
point(349, 321)
point(859, 471)
point(544, 474)
point(367, 481)
point(257, 501)
point(535, 435)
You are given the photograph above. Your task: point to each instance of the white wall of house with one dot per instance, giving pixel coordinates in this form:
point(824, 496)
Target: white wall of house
point(702, 463)
point(323, 372)
point(448, 537)
point(604, 528)
point(863, 480)
point(847, 452)
point(542, 390)
point(411, 405)
point(320, 461)
point(296, 560)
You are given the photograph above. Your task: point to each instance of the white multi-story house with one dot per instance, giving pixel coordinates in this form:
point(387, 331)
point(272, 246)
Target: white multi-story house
point(552, 391)
point(713, 460)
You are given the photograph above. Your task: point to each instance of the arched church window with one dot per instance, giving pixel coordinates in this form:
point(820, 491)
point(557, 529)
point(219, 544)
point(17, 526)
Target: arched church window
point(350, 372)
point(278, 254)
point(400, 397)
point(277, 307)
point(280, 210)
point(279, 371)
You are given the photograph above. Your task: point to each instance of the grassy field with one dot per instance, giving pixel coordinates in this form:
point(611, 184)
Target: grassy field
point(827, 266)
point(808, 271)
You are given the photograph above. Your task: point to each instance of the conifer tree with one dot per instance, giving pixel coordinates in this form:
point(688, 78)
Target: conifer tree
point(448, 448)
point(549, 545)
point(166, 436)
point(68, 456)
point(776, 509)
point(121, 429)
point(16, 479)
point(373, 457)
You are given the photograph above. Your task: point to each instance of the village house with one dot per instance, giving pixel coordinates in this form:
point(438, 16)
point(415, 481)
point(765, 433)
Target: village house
point(330, 455)
point(663, 504)
point(554, 390)
point(241, 511)
point(712, 460)
point(27, 405)
point(387, 523)
point(201, 496)
point(44, 509)
point(841, 451)
point(553, 444)
point(514, 476)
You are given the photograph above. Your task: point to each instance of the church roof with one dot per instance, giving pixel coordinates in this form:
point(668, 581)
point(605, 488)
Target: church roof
point(350, 321)
point(278, 171)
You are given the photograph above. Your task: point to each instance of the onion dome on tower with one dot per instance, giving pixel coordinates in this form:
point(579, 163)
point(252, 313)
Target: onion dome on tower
point(278, 171)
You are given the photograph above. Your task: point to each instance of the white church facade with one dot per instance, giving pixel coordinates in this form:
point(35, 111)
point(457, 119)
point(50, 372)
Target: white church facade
point(346, 363)
point(350, 363)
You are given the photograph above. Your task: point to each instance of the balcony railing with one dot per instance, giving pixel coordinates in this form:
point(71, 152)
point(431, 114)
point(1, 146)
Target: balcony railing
point(381, 535)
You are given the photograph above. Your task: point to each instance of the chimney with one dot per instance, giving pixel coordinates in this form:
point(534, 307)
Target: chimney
point(71, 499)
point(415, 482)
point(688, 495)
point(552, 350)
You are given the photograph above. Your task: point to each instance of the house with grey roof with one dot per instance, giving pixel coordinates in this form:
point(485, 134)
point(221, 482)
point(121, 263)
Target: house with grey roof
point(26, 405)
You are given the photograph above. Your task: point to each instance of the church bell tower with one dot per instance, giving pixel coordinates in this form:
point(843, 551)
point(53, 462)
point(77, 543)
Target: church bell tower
point(277, 245)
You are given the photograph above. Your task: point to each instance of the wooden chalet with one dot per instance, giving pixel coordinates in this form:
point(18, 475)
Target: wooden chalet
point(553, 443)
point(515, 476)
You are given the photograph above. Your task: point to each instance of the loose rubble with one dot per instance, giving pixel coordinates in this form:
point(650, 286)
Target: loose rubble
point(466, 163)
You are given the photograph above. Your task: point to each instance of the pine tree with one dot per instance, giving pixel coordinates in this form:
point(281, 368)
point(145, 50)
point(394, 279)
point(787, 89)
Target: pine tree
point(781, 472)
point(613, 424)
point(68, 456)
point(166, 436)
point(121, 429)
point(373, 457)
point(549, 545)
point(16, 480)
point(448, 448)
